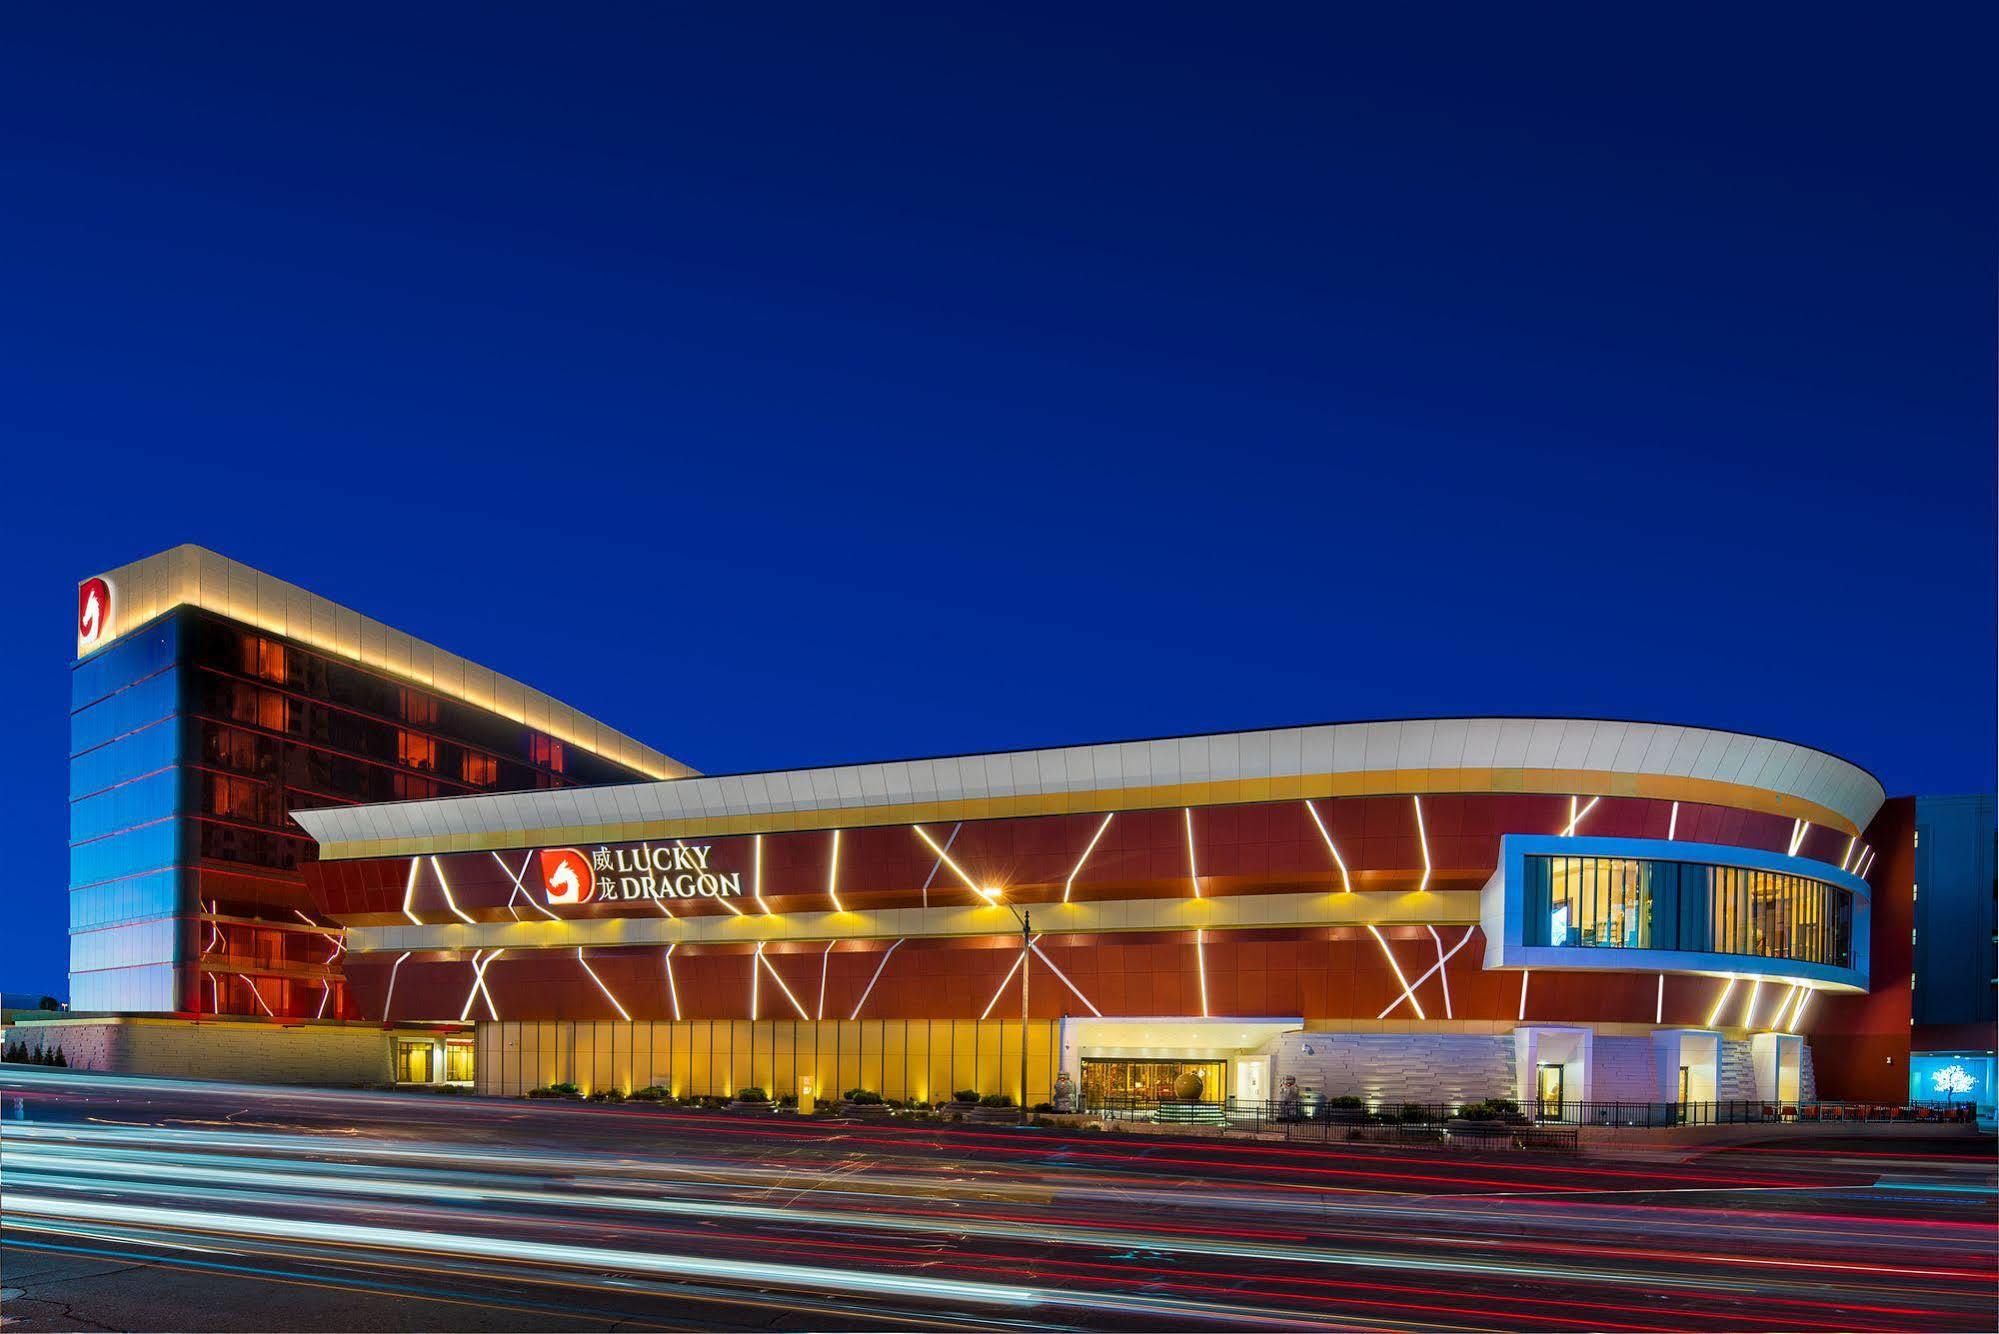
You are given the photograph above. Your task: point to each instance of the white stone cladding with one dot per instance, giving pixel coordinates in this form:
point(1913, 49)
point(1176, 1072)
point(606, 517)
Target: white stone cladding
point(1737, 1078)
point(1388, 1069)
point(1626, 1070)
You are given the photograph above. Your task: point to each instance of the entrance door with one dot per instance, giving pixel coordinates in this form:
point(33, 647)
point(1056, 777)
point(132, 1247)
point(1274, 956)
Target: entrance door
point(1548, 1091)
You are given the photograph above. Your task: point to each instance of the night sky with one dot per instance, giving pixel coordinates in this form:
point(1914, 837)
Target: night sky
point(798, 385)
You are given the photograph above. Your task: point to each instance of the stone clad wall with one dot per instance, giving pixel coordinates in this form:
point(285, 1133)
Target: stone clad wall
point(1388, 1069)
point(329, 1054)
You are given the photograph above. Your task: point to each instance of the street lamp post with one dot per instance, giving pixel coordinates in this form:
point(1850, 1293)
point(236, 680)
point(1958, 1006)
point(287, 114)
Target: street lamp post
point(1026, 943)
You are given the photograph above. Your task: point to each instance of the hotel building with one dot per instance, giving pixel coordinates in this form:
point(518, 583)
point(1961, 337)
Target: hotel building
point(302, 823)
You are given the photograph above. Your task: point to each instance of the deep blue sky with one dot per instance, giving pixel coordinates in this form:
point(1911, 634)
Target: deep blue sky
point(798, 385)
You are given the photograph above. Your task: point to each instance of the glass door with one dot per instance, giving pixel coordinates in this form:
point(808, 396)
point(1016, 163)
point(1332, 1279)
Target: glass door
point(1548, 1092)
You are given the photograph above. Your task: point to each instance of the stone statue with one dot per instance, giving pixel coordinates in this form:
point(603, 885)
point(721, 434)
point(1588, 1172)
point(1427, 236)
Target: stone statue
point(1189, 1086)
point(1289, 1105)
point(1065, 1093)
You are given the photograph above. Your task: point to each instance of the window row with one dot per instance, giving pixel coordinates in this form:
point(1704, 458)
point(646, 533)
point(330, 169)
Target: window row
point(1639, 903)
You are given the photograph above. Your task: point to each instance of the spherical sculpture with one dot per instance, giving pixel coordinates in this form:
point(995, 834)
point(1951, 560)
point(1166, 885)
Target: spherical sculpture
point(1188, 1087)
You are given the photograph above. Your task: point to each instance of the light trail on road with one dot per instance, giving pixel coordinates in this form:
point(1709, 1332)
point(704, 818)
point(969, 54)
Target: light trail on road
point(602, 1215)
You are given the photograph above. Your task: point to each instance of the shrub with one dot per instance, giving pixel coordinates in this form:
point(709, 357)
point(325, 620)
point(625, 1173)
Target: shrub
point(865, 1097)
point(966, 1095)
point(752, 1094)
point(1043, 1107)
point(608, 1095)
point(1348, 1102)
point(996, 1100)
point(652, 1093)
point(1414, 1113)
point(788, 1100)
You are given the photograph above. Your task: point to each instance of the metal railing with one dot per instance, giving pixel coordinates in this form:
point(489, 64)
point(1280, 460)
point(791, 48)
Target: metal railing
point(1325, 1118)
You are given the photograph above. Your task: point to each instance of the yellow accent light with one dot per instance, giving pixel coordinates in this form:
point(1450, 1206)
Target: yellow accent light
point(1064, 977)
point(1443, 974)
point(389, 999)
point(956, 869)
point(876, 978)
point(1714, 1015)
point(1002, 986)
point(1799, 828)
point(445, 885)
point(1576, 816)
point(1339, 861)
point(622, 1012)
point(1193, 867)
point(778, 978)
point(825, 960)
point(409, 891)
point(672, 991)
point(833, 874)
point(757, 874)
point(1070, 883)
point(1423, 840)
point(1799, 1013)
point(1749, 1006)
point(1407, 991)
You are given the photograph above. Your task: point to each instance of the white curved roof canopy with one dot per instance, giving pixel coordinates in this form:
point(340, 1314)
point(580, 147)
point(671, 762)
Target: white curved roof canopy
point(1541, 755)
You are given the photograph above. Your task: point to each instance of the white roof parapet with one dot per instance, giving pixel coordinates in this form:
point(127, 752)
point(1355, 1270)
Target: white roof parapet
point(1544, 755)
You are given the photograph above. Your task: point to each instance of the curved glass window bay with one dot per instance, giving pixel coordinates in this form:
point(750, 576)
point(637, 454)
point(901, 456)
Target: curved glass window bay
point(1598, 902)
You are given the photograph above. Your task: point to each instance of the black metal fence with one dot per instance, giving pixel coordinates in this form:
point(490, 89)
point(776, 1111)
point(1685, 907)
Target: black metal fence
point(1503, 1123)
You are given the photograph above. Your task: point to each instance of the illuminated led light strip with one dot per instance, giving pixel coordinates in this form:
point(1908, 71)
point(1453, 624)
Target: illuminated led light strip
point(1064, 977)
point(1846, 857)
point(1070, 883)
point(1407, 994)
point(833, 874)
point(1673, 824)
point(1443, 973)
point(1525, 973)
point(938, 865)
point(1777, 1016)
point(672, 991)
point(520, 889)
point(390, 999)
point(479, 986)
point(1659, 1007)
point(1749, 1006)
point(1193, 867)
point(215, 998)
point(1799, 1013)
point(1201, 967)
point(825, 961)
point(957, 870)
point(214, 932)
point(1003, 984)
point(1346, 881)
point(1714, 1015)
point(445, 885)
point(876, 978)
point(623, 1013)
point(756, 975)
point(1423, 840)
point(1576, 816)
point(1866, 865)
point(409, 891)
point(1799, 828)
point(1463, 940)
point(757, 876)
point(257, 995)
point(325, 995)
point(778, 978)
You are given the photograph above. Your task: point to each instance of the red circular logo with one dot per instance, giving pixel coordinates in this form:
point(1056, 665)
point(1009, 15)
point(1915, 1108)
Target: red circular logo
point(566, 876)
point(93, 612)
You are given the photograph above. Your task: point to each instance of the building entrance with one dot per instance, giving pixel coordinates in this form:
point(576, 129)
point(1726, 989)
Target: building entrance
point(1110, 1079)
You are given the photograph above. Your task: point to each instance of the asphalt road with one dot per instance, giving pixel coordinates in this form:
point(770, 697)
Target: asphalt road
point(134, 1204)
